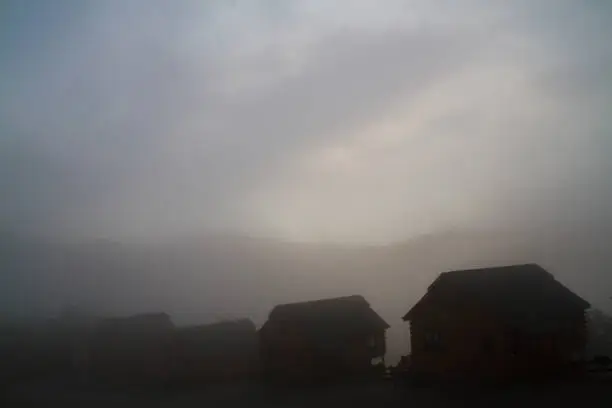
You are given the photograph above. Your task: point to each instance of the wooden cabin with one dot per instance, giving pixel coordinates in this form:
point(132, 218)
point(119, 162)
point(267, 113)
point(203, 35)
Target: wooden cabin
point(321, 339)
point(223, 351)
point(131, 350)
point(498, 323)
point(32, 350)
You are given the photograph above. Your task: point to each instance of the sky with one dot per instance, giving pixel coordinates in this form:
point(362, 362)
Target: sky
point(319, 120)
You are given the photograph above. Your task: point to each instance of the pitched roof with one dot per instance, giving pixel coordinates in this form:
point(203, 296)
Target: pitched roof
point(329, 321)
point(140, 324)
point(222, 327)
point(513, 290)
point(230, 336)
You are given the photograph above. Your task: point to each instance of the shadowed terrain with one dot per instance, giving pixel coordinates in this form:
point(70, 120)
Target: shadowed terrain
point(202, 280)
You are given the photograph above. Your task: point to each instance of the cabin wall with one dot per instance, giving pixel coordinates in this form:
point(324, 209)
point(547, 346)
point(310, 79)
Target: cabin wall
point(448, 344)
point(358, 353)
point(286, 352)
point(283, 350)
point(131, 359)
point(197, 359)
point(468, 343)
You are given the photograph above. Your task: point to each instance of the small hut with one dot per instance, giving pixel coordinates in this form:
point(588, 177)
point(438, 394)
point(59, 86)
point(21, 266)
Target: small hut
point(322, 339)
point(223, 351)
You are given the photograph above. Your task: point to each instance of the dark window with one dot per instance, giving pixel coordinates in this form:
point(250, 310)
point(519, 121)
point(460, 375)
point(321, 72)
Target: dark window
point(488, 344)
point(284, 327)
point(515, 343)
point(433, 341)
point(371, 342)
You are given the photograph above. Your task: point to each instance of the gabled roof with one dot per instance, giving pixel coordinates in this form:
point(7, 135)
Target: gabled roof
point(220, 328)
point(328, 321)
point(231, 336)
point(136, 324)
point(513, 290)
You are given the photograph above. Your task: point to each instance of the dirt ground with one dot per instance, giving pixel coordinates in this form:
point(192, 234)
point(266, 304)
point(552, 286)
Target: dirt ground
point(67, 394)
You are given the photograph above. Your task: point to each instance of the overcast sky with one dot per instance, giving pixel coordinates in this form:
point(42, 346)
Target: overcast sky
point(308, 120)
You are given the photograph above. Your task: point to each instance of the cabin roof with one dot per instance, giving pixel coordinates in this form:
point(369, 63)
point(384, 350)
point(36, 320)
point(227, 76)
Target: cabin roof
point(513, 289)
point(220, 337)
point(141, 323)
point(327, 321)
point(222, 327)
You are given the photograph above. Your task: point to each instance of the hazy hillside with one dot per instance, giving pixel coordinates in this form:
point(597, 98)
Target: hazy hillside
point(206, 279)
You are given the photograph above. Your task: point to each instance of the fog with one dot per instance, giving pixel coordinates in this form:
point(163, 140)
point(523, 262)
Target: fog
point(212, 159)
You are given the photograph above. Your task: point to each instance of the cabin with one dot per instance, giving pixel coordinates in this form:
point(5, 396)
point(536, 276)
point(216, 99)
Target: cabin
point(131, 350)
point(32, 350)
point(223, 351)
point(41, 348)
point(497, 324)
point(322, 339)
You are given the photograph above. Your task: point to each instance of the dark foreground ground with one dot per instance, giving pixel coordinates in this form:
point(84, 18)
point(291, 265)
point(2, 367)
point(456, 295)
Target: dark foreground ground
point(65, 394)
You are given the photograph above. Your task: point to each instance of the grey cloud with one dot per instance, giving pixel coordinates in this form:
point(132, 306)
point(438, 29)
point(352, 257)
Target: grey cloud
point(130, 124)
point(121, 120)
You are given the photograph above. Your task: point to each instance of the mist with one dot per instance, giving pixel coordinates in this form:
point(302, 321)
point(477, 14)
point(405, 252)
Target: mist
point(213, 159)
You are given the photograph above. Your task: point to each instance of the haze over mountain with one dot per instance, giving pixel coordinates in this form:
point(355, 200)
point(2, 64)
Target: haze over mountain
point(140, 140)
point(201, 280)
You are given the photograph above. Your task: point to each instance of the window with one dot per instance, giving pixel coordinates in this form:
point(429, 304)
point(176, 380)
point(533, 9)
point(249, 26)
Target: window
point(284, 327)
point(432, 341)
point(515, 343)
point(371, 342)
point(488, 344)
